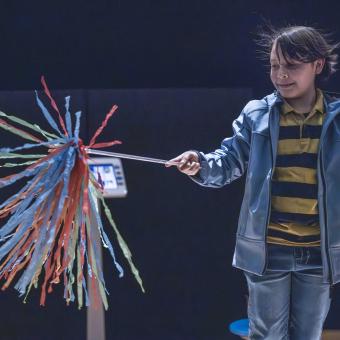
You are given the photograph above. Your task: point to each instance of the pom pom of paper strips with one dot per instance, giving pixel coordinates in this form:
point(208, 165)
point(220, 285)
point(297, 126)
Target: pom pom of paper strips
point(48, 233)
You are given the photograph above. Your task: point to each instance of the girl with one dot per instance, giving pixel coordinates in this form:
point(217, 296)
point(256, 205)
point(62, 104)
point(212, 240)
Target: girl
point(288, 236)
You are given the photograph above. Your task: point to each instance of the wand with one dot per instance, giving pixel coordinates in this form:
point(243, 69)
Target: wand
point(126, 156)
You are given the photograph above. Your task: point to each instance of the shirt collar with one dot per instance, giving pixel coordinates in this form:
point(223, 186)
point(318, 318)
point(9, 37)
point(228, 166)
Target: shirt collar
point(318, 106)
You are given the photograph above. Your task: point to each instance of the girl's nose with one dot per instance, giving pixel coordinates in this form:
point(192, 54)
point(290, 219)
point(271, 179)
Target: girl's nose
point(283, 75)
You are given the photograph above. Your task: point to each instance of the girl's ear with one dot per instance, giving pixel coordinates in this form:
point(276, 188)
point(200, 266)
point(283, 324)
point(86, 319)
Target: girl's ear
point(319, 65)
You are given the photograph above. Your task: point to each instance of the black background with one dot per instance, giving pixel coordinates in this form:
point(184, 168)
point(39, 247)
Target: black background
point(201, 57)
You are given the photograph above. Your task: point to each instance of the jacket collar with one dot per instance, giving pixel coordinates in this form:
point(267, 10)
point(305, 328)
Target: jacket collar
point(273, 98)
point(331, 103)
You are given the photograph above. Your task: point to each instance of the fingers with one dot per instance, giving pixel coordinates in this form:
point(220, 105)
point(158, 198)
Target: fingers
point(187, 163)
point(173, 160)
point(193, 169)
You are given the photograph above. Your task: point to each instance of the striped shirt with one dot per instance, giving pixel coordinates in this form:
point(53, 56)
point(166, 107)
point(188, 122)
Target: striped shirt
point(294, 219)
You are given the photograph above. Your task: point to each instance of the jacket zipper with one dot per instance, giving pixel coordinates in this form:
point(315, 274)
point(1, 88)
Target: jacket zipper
point(270, 191)
point(325, 216)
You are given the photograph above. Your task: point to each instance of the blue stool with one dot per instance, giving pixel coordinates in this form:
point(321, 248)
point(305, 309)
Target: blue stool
point(240, 327)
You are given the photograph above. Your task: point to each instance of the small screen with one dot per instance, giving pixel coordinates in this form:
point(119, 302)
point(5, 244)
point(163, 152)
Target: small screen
point(107, 175)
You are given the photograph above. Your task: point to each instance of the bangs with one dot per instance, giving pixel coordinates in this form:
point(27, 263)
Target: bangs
point(294, 48)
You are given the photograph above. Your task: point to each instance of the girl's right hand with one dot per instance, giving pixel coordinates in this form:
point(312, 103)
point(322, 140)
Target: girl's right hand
point(187, 162)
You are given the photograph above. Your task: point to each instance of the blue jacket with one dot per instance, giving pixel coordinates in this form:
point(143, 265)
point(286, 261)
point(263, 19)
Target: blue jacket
point(252, 150)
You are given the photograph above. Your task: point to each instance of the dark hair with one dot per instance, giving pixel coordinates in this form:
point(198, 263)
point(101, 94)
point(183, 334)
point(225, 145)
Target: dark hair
point(301, 43)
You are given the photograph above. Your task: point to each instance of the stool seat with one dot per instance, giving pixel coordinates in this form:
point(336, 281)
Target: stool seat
point(240, 327)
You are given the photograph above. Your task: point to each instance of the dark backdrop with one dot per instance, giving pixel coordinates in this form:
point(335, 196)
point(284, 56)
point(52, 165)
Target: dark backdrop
point(134, 44)
point(181, 235)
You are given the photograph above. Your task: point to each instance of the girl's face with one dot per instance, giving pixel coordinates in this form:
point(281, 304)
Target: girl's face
point(292, 78)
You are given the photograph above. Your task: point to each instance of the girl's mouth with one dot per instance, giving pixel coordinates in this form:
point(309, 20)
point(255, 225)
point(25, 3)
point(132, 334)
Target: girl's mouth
point(285, 86)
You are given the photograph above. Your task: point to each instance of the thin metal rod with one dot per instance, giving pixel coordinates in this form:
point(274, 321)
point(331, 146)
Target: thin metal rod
point(126, 156)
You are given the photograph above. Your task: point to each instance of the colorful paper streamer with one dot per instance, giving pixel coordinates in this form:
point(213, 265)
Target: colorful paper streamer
point(48, 233)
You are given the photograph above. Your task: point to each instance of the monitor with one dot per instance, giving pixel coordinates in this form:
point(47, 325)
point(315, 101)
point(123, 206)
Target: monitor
point(110, 171)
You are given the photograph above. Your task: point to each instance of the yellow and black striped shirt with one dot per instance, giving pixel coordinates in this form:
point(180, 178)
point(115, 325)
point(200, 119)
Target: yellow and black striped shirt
point(294, 219)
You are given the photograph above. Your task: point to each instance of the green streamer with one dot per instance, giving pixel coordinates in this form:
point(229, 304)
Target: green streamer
point(34, 127)
point(22, 134)
point(11, 165)
point(17, 155)
point(124, 247)
point(79, 283)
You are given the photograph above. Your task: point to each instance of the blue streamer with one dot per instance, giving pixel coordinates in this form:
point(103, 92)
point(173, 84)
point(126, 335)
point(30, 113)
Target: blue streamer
point(68, 116)
point(106, 241)
point(47, 115)
point(28, 274)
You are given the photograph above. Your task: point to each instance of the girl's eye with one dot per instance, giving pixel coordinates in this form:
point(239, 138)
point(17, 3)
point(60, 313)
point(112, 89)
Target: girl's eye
point(293, 66)
point(274, 66)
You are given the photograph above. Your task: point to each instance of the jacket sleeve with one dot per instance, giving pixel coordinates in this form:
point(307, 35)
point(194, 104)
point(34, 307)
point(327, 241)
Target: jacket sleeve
point(228, 163)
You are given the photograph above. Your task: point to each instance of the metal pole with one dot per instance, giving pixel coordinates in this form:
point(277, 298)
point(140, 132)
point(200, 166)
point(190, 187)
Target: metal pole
point(126, 156)
point(95, 318)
